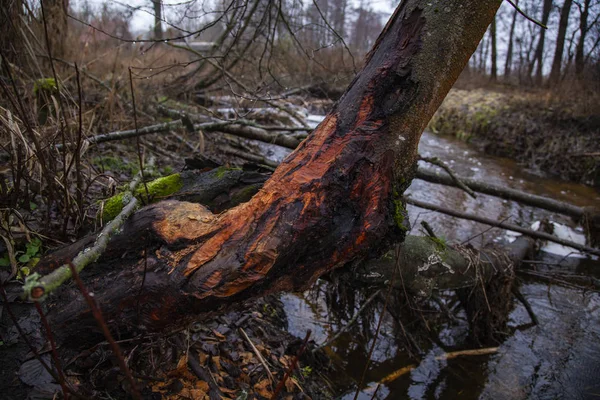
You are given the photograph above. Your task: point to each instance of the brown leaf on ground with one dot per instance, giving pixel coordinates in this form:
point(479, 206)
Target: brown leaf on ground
point(219, 336)
point(182, 370)
point(202, 385)
point(262, 388)
point(202, 356)
point(193, 394)
point(246, 357)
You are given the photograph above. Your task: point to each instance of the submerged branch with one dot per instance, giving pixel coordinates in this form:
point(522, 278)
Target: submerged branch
point(504, 193)
point(457, 182)
point(503, 225)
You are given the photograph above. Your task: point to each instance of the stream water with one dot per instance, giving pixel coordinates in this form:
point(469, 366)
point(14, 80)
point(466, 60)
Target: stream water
point(559, 358)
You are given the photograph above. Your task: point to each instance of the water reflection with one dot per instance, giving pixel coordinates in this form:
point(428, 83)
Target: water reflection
point(559, 358)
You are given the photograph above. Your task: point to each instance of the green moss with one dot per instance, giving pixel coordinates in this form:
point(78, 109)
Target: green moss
point(161, 187)
point(157, 189)
point(399, 212)
point(112, 207)
point(221, 171)
point(44, 85)
point(440, 243)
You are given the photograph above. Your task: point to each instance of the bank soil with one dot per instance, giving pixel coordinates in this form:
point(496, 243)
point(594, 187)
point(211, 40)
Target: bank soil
point(557, 135)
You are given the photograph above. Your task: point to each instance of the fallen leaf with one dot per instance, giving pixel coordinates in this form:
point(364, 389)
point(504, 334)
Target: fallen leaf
point(261, 388)
point(219, 336)
point(193, 394)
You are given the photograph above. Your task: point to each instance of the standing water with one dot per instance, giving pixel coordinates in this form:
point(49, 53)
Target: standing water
point(558, 358)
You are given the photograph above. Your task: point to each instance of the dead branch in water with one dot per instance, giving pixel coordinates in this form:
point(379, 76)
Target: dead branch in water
point(504, 193)
point(457, 182)
point(446, 356)
point(503, 225)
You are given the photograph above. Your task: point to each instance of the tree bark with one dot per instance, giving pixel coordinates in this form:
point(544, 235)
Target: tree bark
point(56, 21)
point(334, 200)
point(494, 71)
point(10, 20)
point(583, 28)
point(158, 32)
point(509, 51)
point(539, 52)
point(560, 42)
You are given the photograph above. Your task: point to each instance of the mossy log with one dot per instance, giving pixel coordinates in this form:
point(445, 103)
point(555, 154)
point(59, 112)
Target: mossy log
point(219, 189)
point(427, 264)
point(329, 203)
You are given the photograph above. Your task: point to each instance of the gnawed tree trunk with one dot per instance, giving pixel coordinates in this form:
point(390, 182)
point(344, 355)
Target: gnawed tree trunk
point(334, 200)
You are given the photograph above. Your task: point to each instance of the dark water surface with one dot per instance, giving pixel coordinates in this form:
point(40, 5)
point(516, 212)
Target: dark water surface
point(557, 359)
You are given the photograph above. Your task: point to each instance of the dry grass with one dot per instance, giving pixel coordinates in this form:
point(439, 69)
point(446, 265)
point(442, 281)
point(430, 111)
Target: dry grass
point(550, 130)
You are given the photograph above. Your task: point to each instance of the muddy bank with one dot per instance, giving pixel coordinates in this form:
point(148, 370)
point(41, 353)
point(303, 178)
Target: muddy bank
point(546, 134)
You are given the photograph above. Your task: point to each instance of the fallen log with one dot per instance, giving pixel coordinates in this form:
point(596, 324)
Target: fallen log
point(428, 264)
point(454, 213)
point(218, 189)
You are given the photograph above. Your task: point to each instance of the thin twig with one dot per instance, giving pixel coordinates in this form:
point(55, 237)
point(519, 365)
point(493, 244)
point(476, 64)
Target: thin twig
point(292, 366)
point(526, 304)
point(441, 164)
point(375, 392)
point(54, 353)
point(137, 136)
point(516, 7)
point(532, 200)
point(258, 355)
point(446, 356)
point(102, 324)
point(429, 229)
point(78, 148)
point(510, 227)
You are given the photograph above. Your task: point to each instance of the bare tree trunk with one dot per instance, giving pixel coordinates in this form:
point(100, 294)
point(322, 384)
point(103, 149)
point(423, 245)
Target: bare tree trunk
point(56, 21)
point(483, 48)
point(10, 20)
point(334, 200)
point(158, 32)
point(583, 29)
point(538, 59)
point(509, 50)
point(494, 71)
point(529, 62)
point(560, 42)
